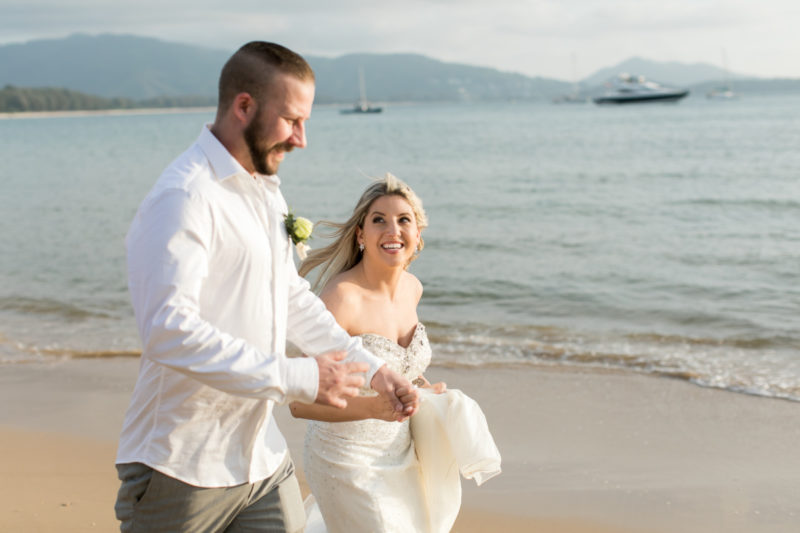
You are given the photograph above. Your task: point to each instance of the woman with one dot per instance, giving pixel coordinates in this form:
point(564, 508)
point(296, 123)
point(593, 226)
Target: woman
point(360, 461)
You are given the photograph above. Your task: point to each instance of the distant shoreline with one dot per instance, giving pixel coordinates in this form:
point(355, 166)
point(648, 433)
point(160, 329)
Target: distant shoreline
point(5, 115)
point(100, 112)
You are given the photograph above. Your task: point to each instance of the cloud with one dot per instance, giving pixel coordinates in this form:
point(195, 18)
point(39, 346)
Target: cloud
point(529, 36)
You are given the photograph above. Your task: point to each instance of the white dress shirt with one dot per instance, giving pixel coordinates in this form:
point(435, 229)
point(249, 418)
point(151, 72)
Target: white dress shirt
point(216, 294)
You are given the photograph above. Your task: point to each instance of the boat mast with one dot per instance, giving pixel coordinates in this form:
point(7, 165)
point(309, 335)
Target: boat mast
point(575, 86)
point(362, 88)
point(726, 71)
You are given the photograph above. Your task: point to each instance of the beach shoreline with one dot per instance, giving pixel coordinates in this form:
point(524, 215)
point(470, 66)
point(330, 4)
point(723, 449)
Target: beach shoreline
point(7, 115)
point(105, 112)
point(583, 450)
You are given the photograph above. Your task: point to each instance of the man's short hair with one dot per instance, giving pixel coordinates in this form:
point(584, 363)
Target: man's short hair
point(252, 67)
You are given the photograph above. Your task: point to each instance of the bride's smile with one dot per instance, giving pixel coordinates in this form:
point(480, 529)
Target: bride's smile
point(390, 231)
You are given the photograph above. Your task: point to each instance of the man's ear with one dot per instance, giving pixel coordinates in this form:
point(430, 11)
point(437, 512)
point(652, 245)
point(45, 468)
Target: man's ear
point(244, 108)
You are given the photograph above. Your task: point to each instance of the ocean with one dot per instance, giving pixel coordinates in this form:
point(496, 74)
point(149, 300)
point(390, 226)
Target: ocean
point(657, 239)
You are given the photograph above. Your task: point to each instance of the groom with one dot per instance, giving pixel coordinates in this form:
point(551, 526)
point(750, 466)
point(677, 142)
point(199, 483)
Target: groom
point(216, 296)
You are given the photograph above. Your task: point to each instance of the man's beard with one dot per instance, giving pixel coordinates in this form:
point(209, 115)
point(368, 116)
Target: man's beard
point(258, 153)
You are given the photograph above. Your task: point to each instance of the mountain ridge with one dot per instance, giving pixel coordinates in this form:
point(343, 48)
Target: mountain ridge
point(671, 72)
point(141, 68)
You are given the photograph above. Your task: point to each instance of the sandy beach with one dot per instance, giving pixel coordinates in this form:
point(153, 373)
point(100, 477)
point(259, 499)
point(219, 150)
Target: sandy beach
point(583, 451)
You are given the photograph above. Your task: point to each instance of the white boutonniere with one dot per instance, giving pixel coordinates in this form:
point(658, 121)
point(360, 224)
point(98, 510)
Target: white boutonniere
point(299, 229)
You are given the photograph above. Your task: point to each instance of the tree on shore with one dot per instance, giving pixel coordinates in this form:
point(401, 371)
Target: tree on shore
point(25, 99)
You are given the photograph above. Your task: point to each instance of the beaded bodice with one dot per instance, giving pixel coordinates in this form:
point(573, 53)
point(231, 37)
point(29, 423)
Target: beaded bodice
point(410, 362)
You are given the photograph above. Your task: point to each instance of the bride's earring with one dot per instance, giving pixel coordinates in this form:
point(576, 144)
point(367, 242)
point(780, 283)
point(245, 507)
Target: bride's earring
point(361, 247)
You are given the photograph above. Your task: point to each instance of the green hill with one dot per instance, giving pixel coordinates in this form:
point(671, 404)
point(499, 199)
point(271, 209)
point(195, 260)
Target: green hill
point(112, 66)
point(21, 99)
point(137, 71)
point(125, 66)
point(18, 99)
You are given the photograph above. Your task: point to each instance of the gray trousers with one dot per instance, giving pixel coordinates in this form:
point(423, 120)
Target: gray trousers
point(149, 501)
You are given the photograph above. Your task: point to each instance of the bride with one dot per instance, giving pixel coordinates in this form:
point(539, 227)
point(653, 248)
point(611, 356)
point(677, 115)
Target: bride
point(370, 468)
point(360, 461)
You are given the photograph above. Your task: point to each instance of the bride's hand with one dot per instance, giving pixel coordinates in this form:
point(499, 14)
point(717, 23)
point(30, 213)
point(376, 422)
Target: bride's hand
point(397, 390)
point(437, 388)
point(382, 409)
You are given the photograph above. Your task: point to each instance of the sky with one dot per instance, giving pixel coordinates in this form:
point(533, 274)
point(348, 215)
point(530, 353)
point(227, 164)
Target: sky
point(562, 39)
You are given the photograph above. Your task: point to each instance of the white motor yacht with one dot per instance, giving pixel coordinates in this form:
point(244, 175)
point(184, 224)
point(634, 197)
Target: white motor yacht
point(628, 89)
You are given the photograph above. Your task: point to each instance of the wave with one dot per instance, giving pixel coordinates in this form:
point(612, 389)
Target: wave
point(48, 306)
point(767, 203)
point(760, 366)
point(764, 366)
point(98, 354)
point(479, 291)
point(21, 354)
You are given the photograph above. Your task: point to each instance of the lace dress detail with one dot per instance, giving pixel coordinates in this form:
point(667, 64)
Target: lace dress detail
point(364, 474)
point(409, 362)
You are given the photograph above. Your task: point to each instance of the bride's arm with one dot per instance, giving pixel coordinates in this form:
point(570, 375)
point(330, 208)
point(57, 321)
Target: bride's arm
point(345, 308)
point(359, 408)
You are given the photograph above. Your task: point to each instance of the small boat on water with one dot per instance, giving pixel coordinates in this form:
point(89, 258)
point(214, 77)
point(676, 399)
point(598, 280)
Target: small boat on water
point(571, 98)
point(575, 96)
point(627, 89)
point(721, 93)
point(362, 106)
point(724, 91)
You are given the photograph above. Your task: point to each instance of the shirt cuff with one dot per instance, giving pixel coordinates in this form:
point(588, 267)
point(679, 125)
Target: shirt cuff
point(302, 379)
point(365, 356)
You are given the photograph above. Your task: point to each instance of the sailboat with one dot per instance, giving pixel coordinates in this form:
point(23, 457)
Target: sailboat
point(574, 96)
point(362, 106)
point(725, 91)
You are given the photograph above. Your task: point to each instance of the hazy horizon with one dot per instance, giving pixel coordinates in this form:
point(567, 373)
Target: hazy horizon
point(562, 40)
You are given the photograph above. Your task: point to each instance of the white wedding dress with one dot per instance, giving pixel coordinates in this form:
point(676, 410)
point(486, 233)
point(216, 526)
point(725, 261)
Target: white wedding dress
point(366, 475)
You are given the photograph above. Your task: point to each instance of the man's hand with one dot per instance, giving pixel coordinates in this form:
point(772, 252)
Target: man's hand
point(338, 381)
point(397, 390)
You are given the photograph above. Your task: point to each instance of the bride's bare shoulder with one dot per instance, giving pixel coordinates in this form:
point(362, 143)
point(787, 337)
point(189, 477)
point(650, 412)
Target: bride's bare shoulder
point(343, 298)
point(414, 285)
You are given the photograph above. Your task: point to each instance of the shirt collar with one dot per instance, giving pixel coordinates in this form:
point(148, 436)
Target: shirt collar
point(223, 163)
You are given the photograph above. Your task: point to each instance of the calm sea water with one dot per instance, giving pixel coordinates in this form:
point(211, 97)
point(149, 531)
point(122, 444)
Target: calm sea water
point(662, 238)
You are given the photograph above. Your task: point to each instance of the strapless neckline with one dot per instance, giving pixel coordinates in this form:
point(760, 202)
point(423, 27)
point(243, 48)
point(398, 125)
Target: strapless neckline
point(417, 330)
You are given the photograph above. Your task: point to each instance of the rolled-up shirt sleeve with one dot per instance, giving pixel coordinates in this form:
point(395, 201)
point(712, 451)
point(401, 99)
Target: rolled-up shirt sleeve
point(168, 264)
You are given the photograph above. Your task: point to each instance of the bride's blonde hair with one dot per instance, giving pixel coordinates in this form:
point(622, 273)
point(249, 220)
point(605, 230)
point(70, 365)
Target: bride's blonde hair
point(343, 253)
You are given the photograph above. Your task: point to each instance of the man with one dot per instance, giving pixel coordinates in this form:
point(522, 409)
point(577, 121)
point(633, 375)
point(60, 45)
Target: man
point(216, 295)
